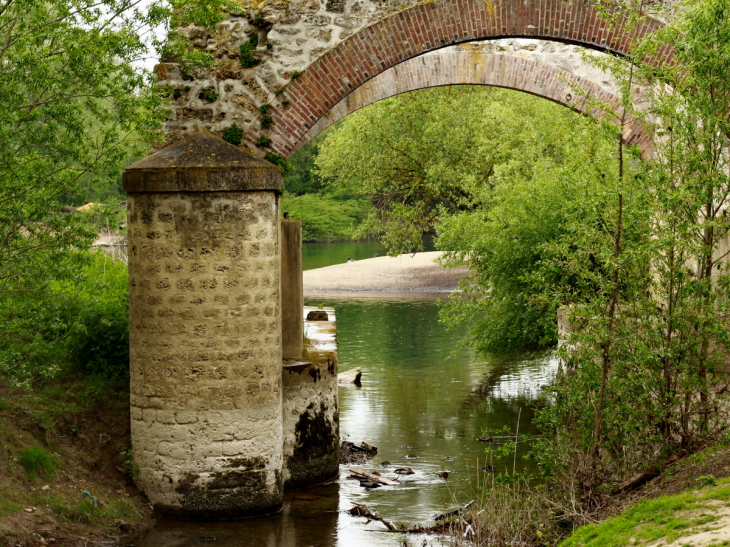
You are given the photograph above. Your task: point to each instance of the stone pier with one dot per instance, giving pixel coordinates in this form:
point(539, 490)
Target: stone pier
point(205, 331)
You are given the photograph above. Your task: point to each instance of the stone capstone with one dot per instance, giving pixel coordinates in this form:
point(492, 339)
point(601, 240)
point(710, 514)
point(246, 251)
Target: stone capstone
point(201, 162)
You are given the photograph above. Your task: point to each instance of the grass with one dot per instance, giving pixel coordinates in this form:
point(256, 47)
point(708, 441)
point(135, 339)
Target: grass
point(666, 518)
point(37, 461)
point(89, 510)
point(7, 507)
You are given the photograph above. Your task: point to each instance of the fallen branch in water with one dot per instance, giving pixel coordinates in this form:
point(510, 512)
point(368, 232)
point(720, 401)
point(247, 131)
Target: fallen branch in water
point(453, 512)
point(373, 477)
point(363, 510)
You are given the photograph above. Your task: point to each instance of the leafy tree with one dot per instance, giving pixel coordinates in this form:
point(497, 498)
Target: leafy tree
point(328, 212)
point(497, 173)
point(647, 360)
point(303, 178)
point(325, 217)
point(74, 107)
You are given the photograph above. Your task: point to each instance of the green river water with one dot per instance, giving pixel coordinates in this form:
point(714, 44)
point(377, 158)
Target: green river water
point(419, 390)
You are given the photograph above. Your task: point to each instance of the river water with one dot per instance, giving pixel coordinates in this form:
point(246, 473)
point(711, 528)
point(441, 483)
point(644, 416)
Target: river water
point(421, 395)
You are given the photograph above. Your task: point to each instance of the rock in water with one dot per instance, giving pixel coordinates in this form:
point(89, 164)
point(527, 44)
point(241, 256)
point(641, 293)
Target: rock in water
point(317, 315)
point(349, 377)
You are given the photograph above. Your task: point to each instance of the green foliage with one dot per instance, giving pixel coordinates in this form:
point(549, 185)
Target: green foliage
point(73, 110)
point(428, 155)
point(280, 90)
point(247, 48)
point(76, 110)
point(7, 507)
point(266, 121)
point(208, 94)
point(295, 74)
point(328, 213)
point(325, 217)
point(79, 324)
point(644, 283)
point(98, 340)
point(131, 468)
point(37, 461)
point(303, 177)
point(279, 160)
point(264, 108)
point(263, 141)
point(498, 174)
point(173, 45)
point(707, 480)
point(285, 104)
point(233, 135)
point(90, 510)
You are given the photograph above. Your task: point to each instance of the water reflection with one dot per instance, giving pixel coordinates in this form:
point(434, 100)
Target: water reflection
point(421, 395)
point(307, 520)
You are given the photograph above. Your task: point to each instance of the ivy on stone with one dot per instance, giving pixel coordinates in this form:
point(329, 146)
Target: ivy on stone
point(233, 135)
point(247, 49)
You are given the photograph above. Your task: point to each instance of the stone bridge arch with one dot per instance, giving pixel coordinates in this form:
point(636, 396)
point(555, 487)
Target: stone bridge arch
point(336, 46)
point(426, 27)
point(475, 64)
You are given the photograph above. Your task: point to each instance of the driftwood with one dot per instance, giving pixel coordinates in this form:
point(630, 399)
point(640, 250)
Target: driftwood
point(375, 478)
point(453, 512)
point(362, 510)
point(637, 480)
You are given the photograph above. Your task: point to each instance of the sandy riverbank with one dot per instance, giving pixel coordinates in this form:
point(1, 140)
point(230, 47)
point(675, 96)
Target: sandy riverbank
point(405, 273)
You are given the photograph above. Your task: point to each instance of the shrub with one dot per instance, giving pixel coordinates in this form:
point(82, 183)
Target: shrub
point(98, 341)
point(281, 161)
point(233, 135)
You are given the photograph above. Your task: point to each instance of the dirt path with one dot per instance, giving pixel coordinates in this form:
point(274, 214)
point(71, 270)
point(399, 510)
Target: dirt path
point(405, 273)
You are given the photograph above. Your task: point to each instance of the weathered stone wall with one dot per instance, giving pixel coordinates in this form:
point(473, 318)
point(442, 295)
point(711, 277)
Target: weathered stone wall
point(341, 44)
point(205, 351)
point(292, 289)
point(311, 410)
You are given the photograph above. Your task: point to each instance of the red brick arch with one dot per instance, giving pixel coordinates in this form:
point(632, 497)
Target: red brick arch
point(431, 26)
point(475, 67)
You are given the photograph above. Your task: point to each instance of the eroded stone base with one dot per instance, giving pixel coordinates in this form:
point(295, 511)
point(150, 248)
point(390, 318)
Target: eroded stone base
point(311, 409)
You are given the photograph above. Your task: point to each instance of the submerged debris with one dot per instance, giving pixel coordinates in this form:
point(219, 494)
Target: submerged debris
point(362, 510)
point(411, 456)
point(404, 471)
point(351, 453)
point(444, 474)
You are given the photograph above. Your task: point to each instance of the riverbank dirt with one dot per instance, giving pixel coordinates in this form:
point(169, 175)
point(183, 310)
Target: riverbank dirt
point(63, 477)
point(405, 273)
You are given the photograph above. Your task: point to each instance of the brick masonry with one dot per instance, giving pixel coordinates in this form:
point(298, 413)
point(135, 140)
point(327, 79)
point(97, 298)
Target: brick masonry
point(340, 45)
point(479, 64)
